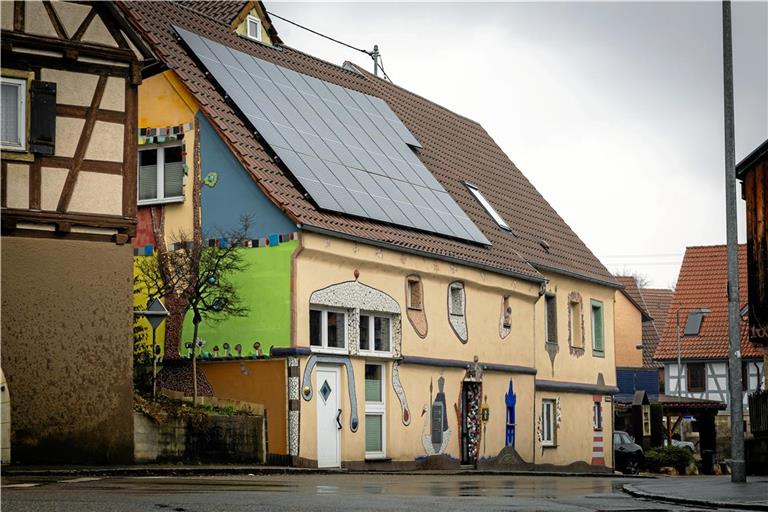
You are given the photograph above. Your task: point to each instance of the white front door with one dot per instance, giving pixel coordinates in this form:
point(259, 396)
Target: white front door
point(329, 417)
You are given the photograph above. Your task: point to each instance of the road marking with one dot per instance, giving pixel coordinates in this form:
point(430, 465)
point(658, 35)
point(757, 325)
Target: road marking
point(79, 480)
point(20, 485)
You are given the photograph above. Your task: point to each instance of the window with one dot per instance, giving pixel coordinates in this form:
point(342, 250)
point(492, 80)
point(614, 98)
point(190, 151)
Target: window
point(414, 293)
point(327, 329)
point(14, 122)
point(374, 412)
point(488, 208)
point(745, 375)
point(646, 420)
point(577, 337)
point(507, 320)
point(696, 377)
point(161, 175)
point(375, 333)
point(693, 324)
point(598, 333)
point(253, 28)
point(597, 415)
point(551, 320)
point(456, 299)
point(548, 423)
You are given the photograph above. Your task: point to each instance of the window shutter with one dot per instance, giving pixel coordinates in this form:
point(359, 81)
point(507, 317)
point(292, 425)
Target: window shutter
point(42, 129)
point(174, 179)
point(551, 319)
point(599, 327)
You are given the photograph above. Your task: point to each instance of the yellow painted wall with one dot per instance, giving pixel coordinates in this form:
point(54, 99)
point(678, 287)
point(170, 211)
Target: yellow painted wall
point(574, 433)
point(140, 303)
point(242, 28)
point(164, 101)
point(570, 367)
point(629, 333)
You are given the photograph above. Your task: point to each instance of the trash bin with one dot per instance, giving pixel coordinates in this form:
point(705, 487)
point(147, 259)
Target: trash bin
point(708, 461)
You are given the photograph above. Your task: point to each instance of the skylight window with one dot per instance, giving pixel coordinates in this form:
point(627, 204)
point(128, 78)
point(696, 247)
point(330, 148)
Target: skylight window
point(488, 208)
point(693, 323)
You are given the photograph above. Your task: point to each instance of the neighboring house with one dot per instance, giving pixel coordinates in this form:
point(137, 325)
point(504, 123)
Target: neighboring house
point(630, 318)
point(657, 301)
point(70, 74)
point(406, 280)
point(701, 304)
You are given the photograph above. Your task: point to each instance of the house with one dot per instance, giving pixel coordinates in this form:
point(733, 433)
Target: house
point(657, 301)
point(70, 77)
point(414, 299)
point(630, 320)
point(753, 173)
point(694, 345)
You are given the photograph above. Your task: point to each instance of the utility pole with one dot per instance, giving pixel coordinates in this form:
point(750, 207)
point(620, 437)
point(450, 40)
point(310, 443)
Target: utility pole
point(375, 57)
point(738, 466)
point(679, 355)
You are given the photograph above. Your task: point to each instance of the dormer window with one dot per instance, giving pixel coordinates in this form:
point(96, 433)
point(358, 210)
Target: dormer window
point(253, 28)
point(488, 208)
point(693, 323)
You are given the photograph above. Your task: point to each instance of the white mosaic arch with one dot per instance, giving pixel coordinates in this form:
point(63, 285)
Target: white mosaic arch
point(354, 296)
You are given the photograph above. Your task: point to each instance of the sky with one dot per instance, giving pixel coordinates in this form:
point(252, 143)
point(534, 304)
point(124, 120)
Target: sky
point(613, 110)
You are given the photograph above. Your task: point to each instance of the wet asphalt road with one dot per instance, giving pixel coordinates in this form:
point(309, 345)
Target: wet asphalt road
point(322, 492)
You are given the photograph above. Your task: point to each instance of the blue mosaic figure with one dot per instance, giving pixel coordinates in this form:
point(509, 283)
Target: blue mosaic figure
point(510, 399)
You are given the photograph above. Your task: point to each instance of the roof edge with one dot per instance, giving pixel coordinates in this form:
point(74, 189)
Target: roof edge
point(746, 162)
point(575, 275)
point(409, 250)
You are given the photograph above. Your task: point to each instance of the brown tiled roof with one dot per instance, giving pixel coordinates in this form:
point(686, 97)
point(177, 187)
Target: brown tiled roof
point(657, 300)
point(455, 149)
point(632, 292)
point(702, 283)
point(221, 10)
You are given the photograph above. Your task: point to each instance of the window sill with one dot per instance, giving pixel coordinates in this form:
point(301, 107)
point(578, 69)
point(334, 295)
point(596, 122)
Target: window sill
point(548, 445)
point(380, 355)
point(598, 353)
point(326, 350)
point(377, 457)
point(415, 308)
point(153, 202)
point(20, 154)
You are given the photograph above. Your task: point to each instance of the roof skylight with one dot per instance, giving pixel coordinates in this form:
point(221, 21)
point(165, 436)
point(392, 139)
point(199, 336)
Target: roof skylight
point(488, 208)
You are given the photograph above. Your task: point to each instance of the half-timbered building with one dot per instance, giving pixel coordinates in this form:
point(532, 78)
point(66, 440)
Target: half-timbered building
point(70, 73)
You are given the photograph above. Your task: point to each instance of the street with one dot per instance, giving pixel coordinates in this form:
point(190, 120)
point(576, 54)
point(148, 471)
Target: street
point(322, 492)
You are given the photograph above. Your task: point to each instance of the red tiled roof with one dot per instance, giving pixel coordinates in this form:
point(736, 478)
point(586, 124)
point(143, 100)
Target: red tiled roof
point(455, 149)
point(702, 283)
point(657, 301)
point(221, 10)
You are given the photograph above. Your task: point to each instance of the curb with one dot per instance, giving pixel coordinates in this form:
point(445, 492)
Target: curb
point(637, 493)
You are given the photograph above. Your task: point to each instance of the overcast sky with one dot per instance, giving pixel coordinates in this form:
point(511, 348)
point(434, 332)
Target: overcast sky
point(614, 111)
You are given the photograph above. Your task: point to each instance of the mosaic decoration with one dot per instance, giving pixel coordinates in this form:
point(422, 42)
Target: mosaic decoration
point(598, 453)
point(211, 179)
point(324, 358)
point(293, 406)
point(436, 432)
point(457, 311)
point(400, 393)
point(474, 371)
point(510, 399)
point(167, 134)
point(472, 417)
point(575, 298)
point(552, 350)
point(504, 330)
point(354, 296)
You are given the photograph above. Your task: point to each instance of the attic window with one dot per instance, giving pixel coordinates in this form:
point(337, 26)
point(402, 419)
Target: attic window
point(693, 324)
point(488, 208)
point(253, 28)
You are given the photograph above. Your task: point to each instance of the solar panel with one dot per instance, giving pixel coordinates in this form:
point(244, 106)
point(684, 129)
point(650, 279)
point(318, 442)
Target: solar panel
point(347, 149)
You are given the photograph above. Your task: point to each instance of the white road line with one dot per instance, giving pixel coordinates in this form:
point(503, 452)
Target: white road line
point(79, 480)
point(19, 485)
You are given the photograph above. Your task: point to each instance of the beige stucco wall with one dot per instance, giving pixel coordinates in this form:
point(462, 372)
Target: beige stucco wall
point(574, 367)
point(629, 333)
point(67, 349)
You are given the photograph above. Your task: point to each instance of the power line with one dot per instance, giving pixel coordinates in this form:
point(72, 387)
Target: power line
point(660, 255)
point(375, 55)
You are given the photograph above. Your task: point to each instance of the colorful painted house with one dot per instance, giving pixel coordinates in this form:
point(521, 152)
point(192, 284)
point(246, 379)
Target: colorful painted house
point(70, 74)
point(696, 334)
point(414, 299)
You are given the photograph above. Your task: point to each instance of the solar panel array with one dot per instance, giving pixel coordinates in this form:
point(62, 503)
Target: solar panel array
point(348, 150)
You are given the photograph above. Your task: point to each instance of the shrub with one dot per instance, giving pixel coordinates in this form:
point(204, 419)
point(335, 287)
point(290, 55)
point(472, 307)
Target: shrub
point(672, 456)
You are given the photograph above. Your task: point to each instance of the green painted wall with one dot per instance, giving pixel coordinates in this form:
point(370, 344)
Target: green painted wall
point(265, 287)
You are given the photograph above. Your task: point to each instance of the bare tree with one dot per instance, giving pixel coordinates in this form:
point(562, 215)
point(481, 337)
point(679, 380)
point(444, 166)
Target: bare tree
point(641, 279)
point(200, 277)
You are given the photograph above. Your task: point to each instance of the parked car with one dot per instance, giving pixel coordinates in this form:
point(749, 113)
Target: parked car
point(627, 456)
point(682, 444)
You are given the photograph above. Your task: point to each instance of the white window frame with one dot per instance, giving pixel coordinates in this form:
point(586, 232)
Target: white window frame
point(597, 415)
point(463, 293)
point(548, 422)
point(160, 175)
point(378, 409)
point(253, 19)
point(324, 331)
point(371, 336)
point(21, 122)
point(593, 305)
point(488, 207)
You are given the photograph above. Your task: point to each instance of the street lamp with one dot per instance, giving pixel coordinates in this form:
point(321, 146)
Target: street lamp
point(155, 314)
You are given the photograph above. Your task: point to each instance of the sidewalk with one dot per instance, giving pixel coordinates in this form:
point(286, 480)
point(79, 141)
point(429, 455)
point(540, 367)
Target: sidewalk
point(715, 491)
